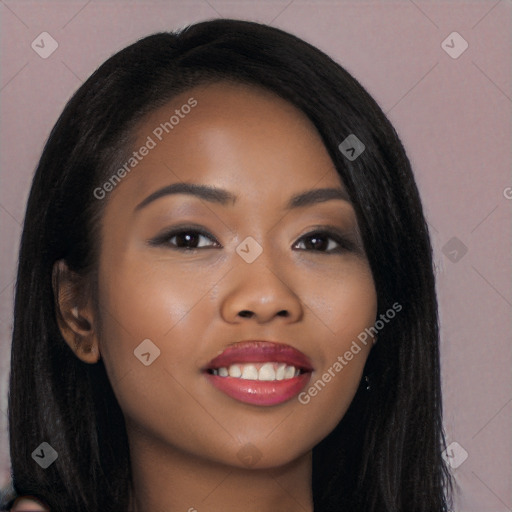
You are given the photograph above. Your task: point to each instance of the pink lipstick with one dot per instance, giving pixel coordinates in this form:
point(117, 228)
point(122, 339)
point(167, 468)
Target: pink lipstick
point(259, 372)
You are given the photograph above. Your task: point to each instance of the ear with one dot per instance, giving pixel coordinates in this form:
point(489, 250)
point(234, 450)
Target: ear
point(75, 312)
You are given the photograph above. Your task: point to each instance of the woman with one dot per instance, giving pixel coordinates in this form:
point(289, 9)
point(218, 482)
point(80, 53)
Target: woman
point(225, 294)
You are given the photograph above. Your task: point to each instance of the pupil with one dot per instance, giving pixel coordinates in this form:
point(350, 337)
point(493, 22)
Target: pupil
point(187, 237)
point(318, 242)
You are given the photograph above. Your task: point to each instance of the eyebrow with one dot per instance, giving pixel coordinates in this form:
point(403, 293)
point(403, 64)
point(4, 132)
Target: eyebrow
point(221, 196)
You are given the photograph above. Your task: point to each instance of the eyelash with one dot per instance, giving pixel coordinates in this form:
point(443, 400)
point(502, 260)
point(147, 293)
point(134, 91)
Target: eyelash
point(344, 244)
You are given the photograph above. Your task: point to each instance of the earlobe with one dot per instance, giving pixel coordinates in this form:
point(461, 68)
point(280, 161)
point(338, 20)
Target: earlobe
point(74, 312)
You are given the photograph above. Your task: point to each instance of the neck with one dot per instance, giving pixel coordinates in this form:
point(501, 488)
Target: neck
point(165, 478)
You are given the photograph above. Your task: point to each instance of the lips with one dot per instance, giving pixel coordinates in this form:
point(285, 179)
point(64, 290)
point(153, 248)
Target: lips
point(259, 372)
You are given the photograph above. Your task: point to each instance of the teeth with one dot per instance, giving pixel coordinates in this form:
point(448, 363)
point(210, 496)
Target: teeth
point(249, 372)
point(289, 372)
point(234, 371)
point(266, 372)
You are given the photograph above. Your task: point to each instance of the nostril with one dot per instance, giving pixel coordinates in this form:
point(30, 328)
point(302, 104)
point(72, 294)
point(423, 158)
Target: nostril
point(245, 313)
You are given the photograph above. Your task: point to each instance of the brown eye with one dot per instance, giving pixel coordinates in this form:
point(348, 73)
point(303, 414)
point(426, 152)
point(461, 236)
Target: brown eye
point(185, 239)
point(324, 241)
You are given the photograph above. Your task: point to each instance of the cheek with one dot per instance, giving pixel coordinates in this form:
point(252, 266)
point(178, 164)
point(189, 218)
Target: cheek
point(171, 309)
point(345, 308)
point(343, 302)
point(150, 299)
point(141, 302)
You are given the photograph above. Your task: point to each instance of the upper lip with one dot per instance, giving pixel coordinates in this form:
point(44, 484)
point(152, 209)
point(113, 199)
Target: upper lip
point(259, 351)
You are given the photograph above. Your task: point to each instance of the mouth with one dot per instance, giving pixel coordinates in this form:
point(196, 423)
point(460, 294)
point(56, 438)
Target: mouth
point(259, 372)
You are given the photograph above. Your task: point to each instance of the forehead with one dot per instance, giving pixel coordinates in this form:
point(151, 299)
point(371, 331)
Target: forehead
point(240, 137)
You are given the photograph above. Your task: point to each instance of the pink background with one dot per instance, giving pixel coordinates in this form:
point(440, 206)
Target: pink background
point(453, 116)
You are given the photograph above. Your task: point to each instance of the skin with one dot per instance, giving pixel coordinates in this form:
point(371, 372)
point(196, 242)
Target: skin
point(26, 504)
point(185, 436)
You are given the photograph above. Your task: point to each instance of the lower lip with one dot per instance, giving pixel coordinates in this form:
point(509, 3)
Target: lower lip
point(256, 392)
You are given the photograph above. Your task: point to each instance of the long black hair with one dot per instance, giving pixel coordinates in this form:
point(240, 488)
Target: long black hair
point(385, 454)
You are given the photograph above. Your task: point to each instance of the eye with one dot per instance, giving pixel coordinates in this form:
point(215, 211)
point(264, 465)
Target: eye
point(186, 238)
point(325, 240)
point(192, 238)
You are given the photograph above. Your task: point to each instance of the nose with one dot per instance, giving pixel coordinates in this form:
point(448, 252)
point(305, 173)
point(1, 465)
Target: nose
point(261, 294)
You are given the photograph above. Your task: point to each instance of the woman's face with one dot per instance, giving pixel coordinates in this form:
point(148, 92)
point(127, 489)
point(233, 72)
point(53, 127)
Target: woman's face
point(259, 269)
